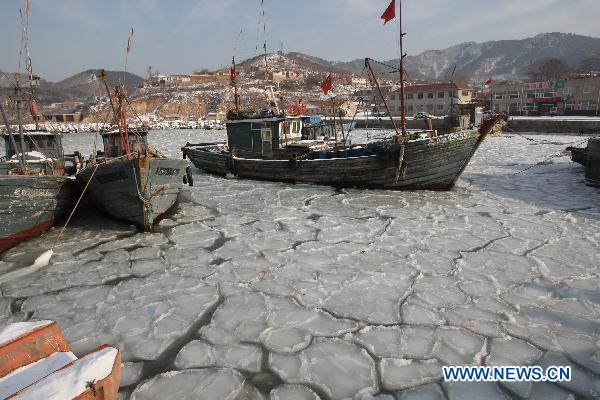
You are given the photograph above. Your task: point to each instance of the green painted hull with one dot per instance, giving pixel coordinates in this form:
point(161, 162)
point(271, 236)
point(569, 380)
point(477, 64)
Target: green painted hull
point(31, 204)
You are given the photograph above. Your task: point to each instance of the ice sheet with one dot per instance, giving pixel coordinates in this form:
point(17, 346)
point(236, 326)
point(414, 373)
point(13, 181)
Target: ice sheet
point(273, 280)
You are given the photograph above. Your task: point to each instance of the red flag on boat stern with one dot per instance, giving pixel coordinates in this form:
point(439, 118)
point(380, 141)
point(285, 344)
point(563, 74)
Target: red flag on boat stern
point(389, 13)
point(327, 84)
point(488, 82)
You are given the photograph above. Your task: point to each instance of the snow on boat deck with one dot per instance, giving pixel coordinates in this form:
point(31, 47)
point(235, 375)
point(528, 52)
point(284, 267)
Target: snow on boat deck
point(26, 375)
point(68, 383)
point(257, 289)
point(14, 331)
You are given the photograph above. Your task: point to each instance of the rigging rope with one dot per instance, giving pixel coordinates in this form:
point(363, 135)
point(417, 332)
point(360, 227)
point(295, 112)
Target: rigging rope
point(545, 160)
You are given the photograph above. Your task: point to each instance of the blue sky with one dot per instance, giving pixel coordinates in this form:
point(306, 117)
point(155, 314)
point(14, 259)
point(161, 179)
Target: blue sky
point(178, 36)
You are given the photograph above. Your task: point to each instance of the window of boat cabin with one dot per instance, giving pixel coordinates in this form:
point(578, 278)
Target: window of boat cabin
point(137, 142)
point(295, 127)
point(112, 144)
point(266, 138)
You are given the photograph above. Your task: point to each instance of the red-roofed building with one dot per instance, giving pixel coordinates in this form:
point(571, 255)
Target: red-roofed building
point(432, 98)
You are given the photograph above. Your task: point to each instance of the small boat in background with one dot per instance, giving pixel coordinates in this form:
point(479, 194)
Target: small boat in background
point(36, 362)
point(129, 179)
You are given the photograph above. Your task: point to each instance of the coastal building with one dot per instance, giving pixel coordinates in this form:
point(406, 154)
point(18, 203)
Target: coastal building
point(283, 76)
point(324, 107)
point(370, 95)
point(210, 77)
point(67, 111)
point(432, 98)
point(358, 81)
point(573, 95)
point(169, 80)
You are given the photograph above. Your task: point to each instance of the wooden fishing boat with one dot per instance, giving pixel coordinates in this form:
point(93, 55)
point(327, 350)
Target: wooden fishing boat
point(129, 179)
point(36, 362)
point(35, 191)
point(418, 163)
point(139, 188)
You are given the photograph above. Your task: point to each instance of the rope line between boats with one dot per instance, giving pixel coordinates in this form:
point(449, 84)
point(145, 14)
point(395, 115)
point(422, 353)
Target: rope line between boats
point(545, 160)
point(76, 205)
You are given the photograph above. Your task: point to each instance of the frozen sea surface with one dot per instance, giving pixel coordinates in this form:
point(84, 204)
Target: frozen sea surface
point(259, 290)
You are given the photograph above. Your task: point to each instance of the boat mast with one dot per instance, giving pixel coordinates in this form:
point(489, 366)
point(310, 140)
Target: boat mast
point(19, 101)
point(123, 129)
point(233, 76)
point(11, 137)
point(372, 73)
point(110, 96)
point(402, 55)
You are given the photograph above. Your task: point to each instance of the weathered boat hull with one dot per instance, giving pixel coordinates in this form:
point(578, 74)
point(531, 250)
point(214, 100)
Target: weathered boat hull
point(139, 190)
point(592, 163)
point(29, 205)
point(435, 164)
point(578, 155)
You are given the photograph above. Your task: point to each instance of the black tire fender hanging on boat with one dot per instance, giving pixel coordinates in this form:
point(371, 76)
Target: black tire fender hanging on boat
point(188, 177)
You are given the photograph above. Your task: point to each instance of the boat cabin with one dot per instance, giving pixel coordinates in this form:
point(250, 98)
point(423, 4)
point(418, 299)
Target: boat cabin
point(43, 154)
point(49, 144)
point(263, 137)
point(314, 128)
point(138, 142)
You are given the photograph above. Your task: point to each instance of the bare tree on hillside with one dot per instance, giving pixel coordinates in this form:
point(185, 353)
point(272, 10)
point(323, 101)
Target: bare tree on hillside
point(590, 64)
point(546, 69)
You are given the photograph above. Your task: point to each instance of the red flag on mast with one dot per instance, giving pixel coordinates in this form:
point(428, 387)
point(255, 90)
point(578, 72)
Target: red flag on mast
point(327, 84)
point(27, 8)
point(129, 41)
point(389, 13)
point(488, 82)
point(232, 70)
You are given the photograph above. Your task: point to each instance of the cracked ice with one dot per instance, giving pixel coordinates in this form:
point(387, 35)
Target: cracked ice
point(256, 290)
